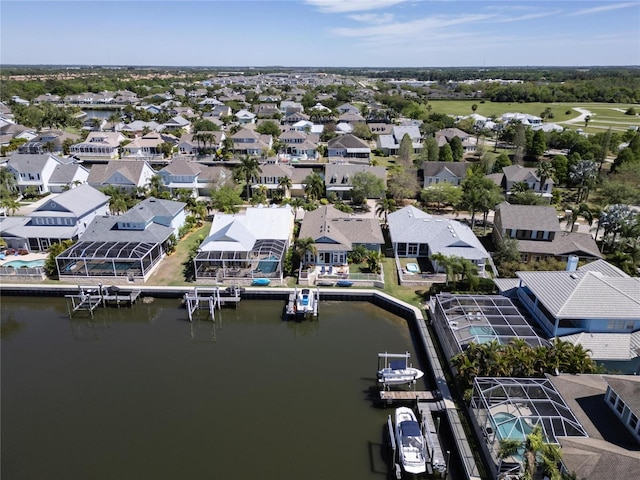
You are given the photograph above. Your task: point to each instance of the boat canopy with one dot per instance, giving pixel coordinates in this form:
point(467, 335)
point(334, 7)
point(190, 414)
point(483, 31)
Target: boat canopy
point(410, 428)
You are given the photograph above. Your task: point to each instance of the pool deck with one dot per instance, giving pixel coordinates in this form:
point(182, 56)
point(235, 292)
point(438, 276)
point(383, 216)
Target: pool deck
point(25, 258)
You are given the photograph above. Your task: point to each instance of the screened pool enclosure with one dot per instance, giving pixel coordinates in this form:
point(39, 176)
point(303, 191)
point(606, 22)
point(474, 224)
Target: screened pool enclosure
point(133, 260)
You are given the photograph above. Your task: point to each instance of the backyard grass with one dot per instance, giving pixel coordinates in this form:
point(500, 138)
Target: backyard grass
point(412, 295)
point(170, 270)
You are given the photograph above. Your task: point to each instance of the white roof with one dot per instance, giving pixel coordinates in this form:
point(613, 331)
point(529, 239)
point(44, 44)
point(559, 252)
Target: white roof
point(607, 346)
point(239, 232)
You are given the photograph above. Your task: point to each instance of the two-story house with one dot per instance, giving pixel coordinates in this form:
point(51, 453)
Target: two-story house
point(350, 148)
point(62, 217)
point(99, 145)
point(182, 174)
point(126, 175)
point(300, 145)
point(435, 173)
point(539, 235)
point(338, 177)
point(36, 170)
point(123, 248)
point(248, 142)
point(445, 135)
point(390, 144)
point(271, 175)
point(514, 174)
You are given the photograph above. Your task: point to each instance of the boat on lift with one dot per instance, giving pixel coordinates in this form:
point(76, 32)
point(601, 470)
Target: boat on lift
point(395, 369)
point(305, 302)
point(412, 452)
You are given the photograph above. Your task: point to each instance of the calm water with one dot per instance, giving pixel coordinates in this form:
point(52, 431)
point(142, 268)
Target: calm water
point(142, 393)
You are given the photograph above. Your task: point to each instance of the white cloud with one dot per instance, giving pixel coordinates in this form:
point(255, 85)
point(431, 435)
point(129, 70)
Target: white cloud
point(372, 18)
point(604, 8)
point(342, 6)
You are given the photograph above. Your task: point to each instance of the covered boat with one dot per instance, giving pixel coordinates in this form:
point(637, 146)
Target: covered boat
point(394, 369)
point(412, 451)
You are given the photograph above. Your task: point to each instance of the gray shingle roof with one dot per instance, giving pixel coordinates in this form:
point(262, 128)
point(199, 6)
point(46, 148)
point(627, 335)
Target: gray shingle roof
point(79, 200)
point(628, 389)
point(459, 169)
point(563, 244)
point(528, 217)
point(104, 229)
point(65, 173)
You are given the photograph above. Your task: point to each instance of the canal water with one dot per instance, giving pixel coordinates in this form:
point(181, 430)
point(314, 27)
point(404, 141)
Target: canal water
point(143, 393)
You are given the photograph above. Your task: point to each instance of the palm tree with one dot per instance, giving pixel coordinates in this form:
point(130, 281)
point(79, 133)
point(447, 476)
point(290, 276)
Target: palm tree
point(384, 207)
point(545, 170)
point(10, 205)
point(583, 211)
point(304, 246)
point(8, 182)
point(313, 186)
point(248, 169)
point(285, 184)
point(442, 261)
point(117, 204)
point(519, 187)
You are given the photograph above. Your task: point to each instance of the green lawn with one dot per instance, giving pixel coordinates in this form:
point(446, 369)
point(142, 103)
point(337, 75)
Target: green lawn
point(412, 295)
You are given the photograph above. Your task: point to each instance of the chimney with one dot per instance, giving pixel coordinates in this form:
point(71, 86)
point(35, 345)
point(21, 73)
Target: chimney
point(572, 263)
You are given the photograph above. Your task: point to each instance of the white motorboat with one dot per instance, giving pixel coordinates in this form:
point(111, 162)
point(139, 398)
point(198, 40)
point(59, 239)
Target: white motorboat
point(397, 371)
point(305, 302)
point(412, 453)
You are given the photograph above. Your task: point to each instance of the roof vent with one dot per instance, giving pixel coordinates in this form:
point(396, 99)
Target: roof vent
point(574, 276)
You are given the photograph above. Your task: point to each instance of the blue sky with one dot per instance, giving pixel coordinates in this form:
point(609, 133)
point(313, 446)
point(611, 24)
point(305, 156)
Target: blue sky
point(329, 33)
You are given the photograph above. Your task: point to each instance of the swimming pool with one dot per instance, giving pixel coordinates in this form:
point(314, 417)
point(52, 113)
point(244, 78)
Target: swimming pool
point(24, 263)
point(413, 268)
point(510, 426)
point(483, 333)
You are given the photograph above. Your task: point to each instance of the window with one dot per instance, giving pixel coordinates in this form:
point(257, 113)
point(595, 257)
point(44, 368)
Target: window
point(620, 406)
point(412, 249)
point(633, 421)
point(613, 397)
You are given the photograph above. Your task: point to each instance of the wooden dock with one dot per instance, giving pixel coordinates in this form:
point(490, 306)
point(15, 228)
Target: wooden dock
point(390, 396)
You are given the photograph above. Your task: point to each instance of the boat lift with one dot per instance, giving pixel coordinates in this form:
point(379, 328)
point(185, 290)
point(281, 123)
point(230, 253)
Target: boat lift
point(394, 448)
point(395, 361)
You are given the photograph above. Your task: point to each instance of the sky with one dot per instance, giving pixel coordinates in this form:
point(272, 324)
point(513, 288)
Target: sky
point(321, 33)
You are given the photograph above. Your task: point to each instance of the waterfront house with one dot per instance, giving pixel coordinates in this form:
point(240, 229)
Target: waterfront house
point(246, 245)
point(348, 148)
point(415, 233)
point(596, 305)
point(49, 141)
point(539, 235)
point(123, 248)
point(59, 218)
point(336, 233)
point(99, 145)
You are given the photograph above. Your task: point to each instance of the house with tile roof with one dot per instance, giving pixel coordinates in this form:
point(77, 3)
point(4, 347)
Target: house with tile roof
point(123, 248)
point(36, 170)
point(415, 233)
point(61, 217)
point(596, 305)
point(539, 235)
point(336, 233)
point(122, 174)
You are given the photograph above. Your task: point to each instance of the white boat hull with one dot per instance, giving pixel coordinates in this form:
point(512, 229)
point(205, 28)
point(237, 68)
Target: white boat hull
point(389, 376)
point(410, 442)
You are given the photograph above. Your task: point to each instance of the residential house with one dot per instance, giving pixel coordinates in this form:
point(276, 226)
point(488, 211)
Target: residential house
point(49, 141)
point(390, 144)
point(138, 127)
point(444, 172)
point(123, 248)
point(197, 143)
point(244, 117)
point(248, 142)
point(300, 145)
point(347, 108)
point(351, 118)
point(36, 170)
point(246, 245)
point(469, 143)
point(415, 233)
point(126, 175)
point(295, 117)
point(288, 107)
point(338, 177)
point(66, 176)
point(177, 123)
point(348, 148)
point(336, 233)
point(99, 145)
point(272, 173)
point(62, 217)
point(518, 174)
point(182, 174)
point(596, 305)
point(523, 118)
point(607, 407)
point(539, 235)
point(266, 110)
point(148, 146)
